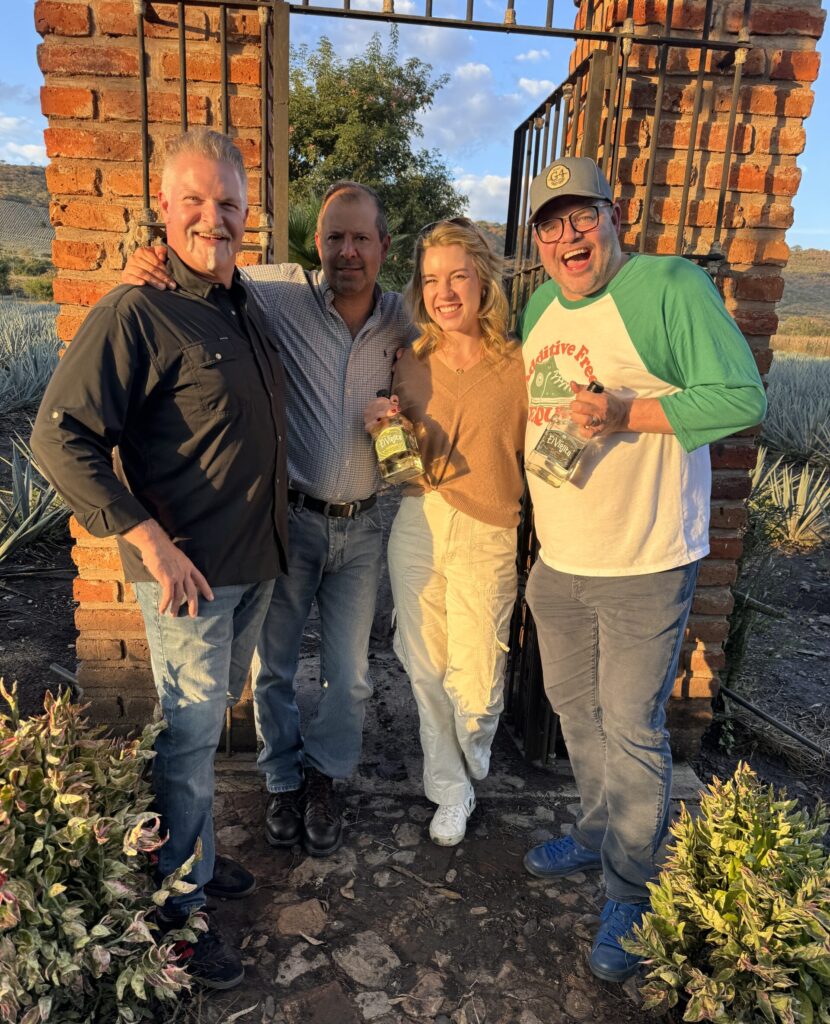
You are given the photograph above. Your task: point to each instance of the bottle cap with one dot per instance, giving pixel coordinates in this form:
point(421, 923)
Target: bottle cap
point(383, 393)
point(596, 387)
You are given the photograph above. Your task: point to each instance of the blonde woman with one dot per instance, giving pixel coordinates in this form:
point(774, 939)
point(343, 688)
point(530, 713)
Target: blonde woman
point(452, 550)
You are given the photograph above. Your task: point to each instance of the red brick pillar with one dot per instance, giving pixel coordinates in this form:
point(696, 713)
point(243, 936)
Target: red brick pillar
point(90, 61)
point(774, 99)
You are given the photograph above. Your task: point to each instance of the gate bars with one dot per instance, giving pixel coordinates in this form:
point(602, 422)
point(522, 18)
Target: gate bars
point(570, 123)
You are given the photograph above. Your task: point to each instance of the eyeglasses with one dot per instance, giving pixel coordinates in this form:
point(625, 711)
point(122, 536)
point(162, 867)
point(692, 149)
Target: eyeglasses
point(582, 221)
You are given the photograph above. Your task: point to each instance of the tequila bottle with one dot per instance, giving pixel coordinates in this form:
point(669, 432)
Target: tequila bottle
point(557, 452)
point(396, 448)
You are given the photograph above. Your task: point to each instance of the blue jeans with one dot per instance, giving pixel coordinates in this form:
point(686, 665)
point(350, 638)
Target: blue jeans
point(610, 648)
point(199, 665)
point(337, 562)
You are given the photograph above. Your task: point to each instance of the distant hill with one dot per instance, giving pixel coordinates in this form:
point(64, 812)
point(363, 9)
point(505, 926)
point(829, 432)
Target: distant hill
point(24, 183)
point(805, 306)
point(494, 233)
point(25, 228)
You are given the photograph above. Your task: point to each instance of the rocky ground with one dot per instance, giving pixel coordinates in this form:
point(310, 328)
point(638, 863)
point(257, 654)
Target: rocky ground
point(393, 929)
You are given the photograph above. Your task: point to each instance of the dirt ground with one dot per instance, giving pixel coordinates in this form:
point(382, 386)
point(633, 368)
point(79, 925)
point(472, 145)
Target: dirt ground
point(393, 929)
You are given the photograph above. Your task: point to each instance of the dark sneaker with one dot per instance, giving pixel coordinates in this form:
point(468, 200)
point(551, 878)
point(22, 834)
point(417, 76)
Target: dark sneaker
point(609, 960)
point(210, 961)
point(560, 857)
point(322, 821)
point(230, 880)
point(284, 818)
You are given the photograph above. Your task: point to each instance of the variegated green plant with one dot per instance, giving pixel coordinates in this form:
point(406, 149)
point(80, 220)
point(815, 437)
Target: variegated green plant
point(740, 925)
point(77, 939)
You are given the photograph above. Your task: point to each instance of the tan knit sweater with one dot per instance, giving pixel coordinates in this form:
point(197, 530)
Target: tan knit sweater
point(471, 429)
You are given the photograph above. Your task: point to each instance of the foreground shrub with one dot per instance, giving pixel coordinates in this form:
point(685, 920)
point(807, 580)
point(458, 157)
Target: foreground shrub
point(798, 416)
point(740, 922)
point(28, 353)
point(76, 896)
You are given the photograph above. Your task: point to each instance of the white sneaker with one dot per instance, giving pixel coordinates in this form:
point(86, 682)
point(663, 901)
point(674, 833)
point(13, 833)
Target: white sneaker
point(449, 823)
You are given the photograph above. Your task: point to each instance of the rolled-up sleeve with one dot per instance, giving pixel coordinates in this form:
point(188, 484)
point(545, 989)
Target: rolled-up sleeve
point(101, 379)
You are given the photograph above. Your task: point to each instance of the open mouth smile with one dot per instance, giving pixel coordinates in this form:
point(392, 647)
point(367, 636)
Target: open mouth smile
point(576, 258)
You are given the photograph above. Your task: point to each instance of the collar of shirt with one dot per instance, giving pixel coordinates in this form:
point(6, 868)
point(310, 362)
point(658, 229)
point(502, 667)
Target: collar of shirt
point(328, 294)
point(191, 281)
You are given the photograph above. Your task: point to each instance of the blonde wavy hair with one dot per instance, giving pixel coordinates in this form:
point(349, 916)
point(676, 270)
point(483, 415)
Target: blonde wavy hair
point(493, 311)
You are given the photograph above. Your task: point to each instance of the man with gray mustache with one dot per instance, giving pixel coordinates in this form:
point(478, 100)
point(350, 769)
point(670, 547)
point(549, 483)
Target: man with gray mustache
point(180, 381)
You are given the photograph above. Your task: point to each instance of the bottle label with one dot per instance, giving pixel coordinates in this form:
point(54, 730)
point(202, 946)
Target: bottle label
point(560, 447)
point(391, 441)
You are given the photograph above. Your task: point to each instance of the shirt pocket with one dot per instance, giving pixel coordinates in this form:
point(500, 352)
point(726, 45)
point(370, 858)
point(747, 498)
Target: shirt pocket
point(220, 372)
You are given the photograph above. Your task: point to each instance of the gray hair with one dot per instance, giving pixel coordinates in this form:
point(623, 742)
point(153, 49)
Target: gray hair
point(352, 190)
point(206, 143)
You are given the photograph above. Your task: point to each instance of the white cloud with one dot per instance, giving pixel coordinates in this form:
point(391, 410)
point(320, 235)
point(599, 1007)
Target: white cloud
point(534, 55)
point(20, 141)
point(10, 125)
point(28, 153)
point(536, 87)
point(473, 72)
point(469, 112)
point(487, 194)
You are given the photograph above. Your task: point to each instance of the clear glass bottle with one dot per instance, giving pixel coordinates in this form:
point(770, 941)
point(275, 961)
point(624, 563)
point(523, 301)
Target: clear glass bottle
point(396, 448)
point(556, 454)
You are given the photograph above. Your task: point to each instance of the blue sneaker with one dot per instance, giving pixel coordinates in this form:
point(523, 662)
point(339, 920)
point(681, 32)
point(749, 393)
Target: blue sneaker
point(560, 857)
point(609, 960)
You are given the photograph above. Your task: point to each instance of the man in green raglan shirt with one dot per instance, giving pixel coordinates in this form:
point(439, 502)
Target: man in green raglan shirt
point(622, 539)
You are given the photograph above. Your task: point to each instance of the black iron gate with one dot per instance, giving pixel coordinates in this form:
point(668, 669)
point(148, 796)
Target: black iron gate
point(585, 115)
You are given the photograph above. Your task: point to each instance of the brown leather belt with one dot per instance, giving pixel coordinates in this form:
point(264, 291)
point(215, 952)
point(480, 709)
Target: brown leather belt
point(349, 510)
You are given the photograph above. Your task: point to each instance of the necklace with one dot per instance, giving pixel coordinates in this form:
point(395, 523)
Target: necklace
point(468, 362)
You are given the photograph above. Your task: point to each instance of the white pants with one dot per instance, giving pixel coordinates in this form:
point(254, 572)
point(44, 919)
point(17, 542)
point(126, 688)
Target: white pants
point(454, 585)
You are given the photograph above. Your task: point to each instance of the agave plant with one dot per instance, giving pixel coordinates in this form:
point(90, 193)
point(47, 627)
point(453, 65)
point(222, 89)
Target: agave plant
point(798, 418)
point(28, 353)
point(32, 510)
point(799, 495)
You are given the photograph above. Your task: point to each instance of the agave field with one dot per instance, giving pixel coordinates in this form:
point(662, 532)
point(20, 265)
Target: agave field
point(793, 470)
point(28, 352)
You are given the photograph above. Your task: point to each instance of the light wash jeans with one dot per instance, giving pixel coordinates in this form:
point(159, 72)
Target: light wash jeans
point(610, 648)
point(200, 666)
point(454, 583)
point(336, 561)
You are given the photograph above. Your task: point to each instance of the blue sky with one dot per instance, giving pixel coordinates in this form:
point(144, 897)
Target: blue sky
point(495, 81)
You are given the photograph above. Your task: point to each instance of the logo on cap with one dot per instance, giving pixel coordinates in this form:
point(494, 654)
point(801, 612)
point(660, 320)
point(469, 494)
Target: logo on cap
point(558, 176)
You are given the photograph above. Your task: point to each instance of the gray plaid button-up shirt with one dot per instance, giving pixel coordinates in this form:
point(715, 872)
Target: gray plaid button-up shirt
point(331, 376)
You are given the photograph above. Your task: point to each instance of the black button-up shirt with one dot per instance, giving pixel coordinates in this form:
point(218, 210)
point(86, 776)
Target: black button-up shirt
point(188, 388)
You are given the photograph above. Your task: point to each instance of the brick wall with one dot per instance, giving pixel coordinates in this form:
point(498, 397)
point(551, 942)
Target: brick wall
point(90, 63)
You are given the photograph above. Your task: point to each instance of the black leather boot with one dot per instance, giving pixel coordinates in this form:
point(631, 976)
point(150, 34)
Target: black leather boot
point(284, 818)
point(322, 820)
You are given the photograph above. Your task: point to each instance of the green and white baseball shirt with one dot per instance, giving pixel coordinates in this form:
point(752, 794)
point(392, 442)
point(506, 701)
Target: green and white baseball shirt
point(639, 503)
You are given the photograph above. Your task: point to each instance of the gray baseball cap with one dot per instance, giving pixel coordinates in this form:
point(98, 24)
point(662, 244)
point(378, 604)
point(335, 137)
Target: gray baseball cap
point(569, 176)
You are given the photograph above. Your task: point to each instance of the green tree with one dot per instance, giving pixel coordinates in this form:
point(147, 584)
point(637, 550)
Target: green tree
point(357, 118)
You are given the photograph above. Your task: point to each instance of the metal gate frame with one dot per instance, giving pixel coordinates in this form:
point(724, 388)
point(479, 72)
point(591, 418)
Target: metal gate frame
point(593, 92)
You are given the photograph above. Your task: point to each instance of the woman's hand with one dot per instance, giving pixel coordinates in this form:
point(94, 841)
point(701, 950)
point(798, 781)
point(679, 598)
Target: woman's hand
point(378, 410)
point(148, 266)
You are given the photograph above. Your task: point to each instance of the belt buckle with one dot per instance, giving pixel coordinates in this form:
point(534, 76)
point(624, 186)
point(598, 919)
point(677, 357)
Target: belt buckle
point(350, 509)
